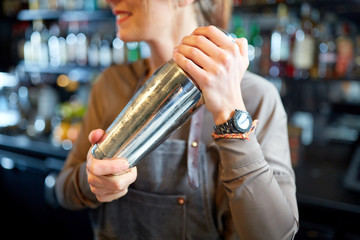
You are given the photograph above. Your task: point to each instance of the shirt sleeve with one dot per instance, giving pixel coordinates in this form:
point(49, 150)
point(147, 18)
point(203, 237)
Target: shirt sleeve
point(257, 174)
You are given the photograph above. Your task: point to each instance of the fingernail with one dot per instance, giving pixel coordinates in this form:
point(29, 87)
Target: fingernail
point(91, 135)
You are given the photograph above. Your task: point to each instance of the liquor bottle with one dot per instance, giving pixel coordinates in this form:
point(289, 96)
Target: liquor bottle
point(44, 35)
point(90, 5)
point(70, 5)
point(63, 51)
point(38, 44)
point(54, 51)
point(145, 50)
point(303, 56)
point(33, 4)
point(118, 51)
point(132, 51)
point(265, 61)
point(356, 71)
point(54, 46)
point(102, 4)
point(43, 4)
point(81, 49)
point(105, 53)
point(315, 33)
point(61, 4)
point(28, 52)
point(71, 40)
point(93, 50)
point(345, 51)
point(255, 44)
point(291, 31)
point(47, 100)
point(79, 4)
point(327, 51)
point(71, 47)
point(53, 4)
point(237, 26)
point(280, 43)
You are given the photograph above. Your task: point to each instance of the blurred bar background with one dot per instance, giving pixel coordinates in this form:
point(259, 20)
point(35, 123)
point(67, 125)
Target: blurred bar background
point(53, 50)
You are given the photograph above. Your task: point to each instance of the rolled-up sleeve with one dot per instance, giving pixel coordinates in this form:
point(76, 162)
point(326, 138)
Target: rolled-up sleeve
point(257, 174)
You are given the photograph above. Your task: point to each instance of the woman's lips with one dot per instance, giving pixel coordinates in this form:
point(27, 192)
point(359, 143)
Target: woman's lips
point(121, 16)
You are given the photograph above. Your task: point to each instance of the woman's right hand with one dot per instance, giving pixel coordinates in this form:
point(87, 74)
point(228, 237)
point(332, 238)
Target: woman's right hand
point(109, 179)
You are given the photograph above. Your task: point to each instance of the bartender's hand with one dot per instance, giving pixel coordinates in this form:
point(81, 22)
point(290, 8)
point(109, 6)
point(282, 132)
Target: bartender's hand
point(217, 64)
point(108, 179)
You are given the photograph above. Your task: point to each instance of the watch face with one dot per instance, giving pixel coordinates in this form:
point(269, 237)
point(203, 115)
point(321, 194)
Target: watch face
point(242, 121)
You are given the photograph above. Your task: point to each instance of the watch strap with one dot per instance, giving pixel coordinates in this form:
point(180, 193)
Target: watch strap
point(245, 135)
point(226, 127)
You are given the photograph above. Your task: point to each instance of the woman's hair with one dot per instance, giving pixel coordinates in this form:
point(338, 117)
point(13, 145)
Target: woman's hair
point(209, 12)
point(214, 12)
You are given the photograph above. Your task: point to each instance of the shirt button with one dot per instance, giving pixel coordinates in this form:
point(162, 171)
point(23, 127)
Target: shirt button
point(194, 144)
point(181, 201)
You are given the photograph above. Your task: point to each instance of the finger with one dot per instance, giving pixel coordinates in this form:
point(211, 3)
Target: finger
point(130, 176)
point(202, 43)
point(107, 167)
point(112, 183)
point(243, 46)
point(215, 35)
point(195, 55)
point(96, 183)
point(108, 197)
point(189, 66)
point(120, 182)
point(96, 135)
point(107, 185)
point(101, 185)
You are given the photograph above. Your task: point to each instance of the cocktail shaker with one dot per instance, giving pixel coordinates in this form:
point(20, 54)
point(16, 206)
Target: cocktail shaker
point(165, 102)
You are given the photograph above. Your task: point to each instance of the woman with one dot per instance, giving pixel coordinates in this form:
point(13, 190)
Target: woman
point(197, 184)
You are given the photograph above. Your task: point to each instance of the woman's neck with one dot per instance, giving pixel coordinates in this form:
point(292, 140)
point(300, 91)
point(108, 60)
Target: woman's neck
point(161, 52)
point(163, 46)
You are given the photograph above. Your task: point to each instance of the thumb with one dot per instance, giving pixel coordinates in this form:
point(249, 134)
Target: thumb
point(243, 46)
point(96, 135)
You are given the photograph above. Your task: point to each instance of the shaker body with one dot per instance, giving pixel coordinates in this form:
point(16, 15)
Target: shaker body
point(163, 104)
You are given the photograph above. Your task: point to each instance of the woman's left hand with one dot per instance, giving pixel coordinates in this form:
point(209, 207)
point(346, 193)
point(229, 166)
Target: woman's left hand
point(217, 65)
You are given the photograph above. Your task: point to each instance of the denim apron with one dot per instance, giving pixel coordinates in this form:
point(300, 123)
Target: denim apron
point(170, 198)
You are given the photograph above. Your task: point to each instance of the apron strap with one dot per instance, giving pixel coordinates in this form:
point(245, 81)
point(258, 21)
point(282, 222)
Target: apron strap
point(193, 146)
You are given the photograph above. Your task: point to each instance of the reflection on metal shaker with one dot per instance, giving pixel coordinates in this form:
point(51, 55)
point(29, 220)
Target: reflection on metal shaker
point(161, 106)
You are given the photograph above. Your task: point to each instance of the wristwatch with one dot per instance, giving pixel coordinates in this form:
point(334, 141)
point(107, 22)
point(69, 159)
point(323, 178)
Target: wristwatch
point(240, 122)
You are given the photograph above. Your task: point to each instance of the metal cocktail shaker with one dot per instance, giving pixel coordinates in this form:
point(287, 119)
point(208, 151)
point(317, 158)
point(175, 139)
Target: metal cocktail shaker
point(164, 103)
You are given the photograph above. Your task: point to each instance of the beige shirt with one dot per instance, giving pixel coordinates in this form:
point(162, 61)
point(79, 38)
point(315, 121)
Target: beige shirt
point(247, 187)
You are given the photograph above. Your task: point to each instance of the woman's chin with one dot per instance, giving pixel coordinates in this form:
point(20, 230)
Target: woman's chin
point(127, 37)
